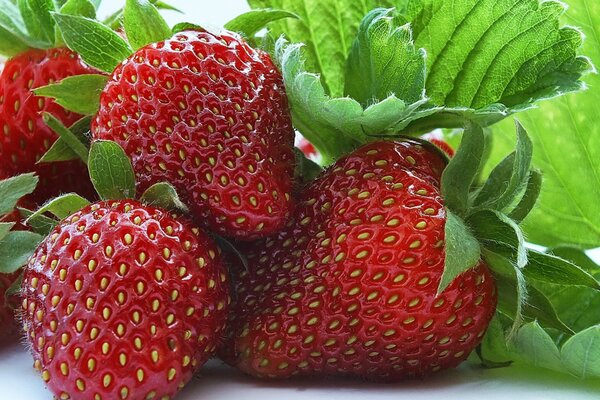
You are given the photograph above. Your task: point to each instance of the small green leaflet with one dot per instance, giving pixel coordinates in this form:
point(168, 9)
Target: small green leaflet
point(12, 189)
point(61, 207)
point(462, 250)
point(375, 70)
point(68, 137)
point(61, 151)
point(98, 45)
point(5, 227)
point(530, 197)
point(184, 26)
point(12, 29)
point(250, 23)
point(459, 175)
point(42, 224)
point(509, 177)
point(111, 171)
point(42, 18)
point(83, 8)
point(16, 248)
point(550, 269)
point(80, 94)
point(144, 24)
point(165, 196)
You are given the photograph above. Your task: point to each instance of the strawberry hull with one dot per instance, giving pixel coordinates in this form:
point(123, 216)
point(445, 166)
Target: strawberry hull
point(349, 287)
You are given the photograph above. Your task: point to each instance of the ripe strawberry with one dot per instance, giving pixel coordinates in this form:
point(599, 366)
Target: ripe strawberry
point(25, 137)
point(208, 114)
point(349, 286)
point(306, 147)
point(123, 301)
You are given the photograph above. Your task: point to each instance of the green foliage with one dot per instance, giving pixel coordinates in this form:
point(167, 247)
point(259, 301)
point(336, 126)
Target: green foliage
point(144, 24)
point(111, 171)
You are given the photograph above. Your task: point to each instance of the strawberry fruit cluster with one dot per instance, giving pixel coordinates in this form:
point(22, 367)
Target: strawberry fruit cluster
point(207, 233)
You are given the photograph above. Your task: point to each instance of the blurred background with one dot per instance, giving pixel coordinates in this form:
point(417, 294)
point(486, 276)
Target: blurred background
point(202, 12)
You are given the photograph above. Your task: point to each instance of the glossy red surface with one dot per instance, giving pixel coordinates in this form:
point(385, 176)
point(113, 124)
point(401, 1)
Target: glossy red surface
point(349, 286)
point(209, 114)
point(24, 137)
point(123, 301)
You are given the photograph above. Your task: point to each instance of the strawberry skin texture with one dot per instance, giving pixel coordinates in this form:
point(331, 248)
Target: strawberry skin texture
point(349, 287)
point(7, 308)
point(24, 136)
point(208, 114)
point(123, 301)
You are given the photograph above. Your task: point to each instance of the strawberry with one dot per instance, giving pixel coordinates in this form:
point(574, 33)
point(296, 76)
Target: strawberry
point(207, 113)
point(124, 301)
point(350, 285)
point(7, 306)
point(25, 136)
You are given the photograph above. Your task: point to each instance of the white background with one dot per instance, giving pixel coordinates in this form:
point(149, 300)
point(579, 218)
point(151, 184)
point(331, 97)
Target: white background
point(217, 382)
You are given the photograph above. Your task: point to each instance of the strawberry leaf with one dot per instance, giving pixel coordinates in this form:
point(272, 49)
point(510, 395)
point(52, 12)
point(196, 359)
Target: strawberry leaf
point(144, 24)
point(42, 18)
point(16, 248)
point(80, 94)
point(499, 234)
point(533, 339)
point(463, 168)
point(42, 224)
point(12, 189)
point(462, 250)
point(551, 269)
point(12, 27)
point(250, 23)
point(111, 171)
point(509, 177)
point(10, 44)
point(566, 136)
point(165, 196)
point(5, 227)
point(184, 26)
point(375, 70)
point(529, 199)
point(61, 207)
point(581, 353)
point(68, 137)
point(98, 45)
point(61, 151)
point(83, 8)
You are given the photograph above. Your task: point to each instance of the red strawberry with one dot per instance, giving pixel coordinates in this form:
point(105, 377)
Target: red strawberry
point(349, 287)
point(306, 147)
point(438, 140)
point(123, 301)
point(208, 114)
point(25, 137)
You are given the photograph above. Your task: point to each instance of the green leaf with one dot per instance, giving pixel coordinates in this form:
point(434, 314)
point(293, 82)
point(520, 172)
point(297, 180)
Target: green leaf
point(161, 5)
point(509, 177)
point(98, 45)
point(327, 27)
point(42, 224)
point(41, 12)
point(165, 196)
point(384, 61)
point(306, 169)
point(67, 136)
point(144, 24)
point(96, 3)
point(16, 248)
point(61, 151)
point(462, 250)
point(12, 189)
point(499, 234)
point(529, 199)
point(32, 25)
point(337, 125)
point(10, 44)
point(80, 94)
point(566, 136)
point(550, 269)
point(581, 353)
point(12, 27)
point(111, 171)
point(61, 207)
point(459, 175)
point(5, 227)
point(250, 23)
point(532, 340)
point(184, 26)
point(83, 8)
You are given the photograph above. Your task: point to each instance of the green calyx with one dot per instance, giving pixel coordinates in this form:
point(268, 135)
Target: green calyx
point(483, 224)
point(26, 24)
